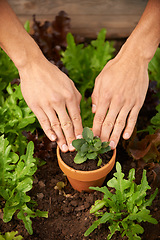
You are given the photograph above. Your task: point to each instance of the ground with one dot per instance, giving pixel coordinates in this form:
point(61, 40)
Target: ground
point(69, 215)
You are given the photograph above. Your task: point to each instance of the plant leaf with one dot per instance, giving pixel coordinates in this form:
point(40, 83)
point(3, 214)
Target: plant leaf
point(79, 159)
point(87, 134)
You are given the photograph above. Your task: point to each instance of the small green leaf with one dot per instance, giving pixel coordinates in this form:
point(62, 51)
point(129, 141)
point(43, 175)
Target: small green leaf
point(91, 155)
point(87, 134)
point(105, 144)
point(11, 236)
point(84, 147)
point(99, 162)
point(98, 144)
point(78, 143)
point(79, 159)
point(27, 26)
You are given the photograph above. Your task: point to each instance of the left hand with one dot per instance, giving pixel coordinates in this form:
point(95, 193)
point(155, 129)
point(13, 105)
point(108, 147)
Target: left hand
point(118, 96)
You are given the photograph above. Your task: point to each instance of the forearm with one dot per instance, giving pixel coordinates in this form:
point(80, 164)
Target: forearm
point(145, 38)
point(14, 39)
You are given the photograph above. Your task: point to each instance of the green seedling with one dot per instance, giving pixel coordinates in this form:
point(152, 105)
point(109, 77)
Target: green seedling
point(89, 147)
point(124, 209)
point(11, 236)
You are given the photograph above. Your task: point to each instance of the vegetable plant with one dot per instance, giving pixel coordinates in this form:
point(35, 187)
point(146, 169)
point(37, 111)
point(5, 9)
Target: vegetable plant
point(125, 208)
point(10, 236)
point(89, 147)
point(16, 117)
point(8, 72)
point(16, 179)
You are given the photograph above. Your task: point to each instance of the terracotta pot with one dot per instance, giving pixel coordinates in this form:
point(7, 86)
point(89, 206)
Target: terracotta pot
point(82, 180)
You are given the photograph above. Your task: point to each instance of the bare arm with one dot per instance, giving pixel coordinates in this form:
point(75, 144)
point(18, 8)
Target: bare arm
point(122, 85)
point(50, 94)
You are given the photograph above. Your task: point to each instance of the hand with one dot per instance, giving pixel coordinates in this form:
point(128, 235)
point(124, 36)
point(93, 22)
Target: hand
point(54, 99)
point(118, 96)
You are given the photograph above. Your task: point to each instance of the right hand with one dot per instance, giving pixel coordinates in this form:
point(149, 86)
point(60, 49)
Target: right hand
point(54, 99)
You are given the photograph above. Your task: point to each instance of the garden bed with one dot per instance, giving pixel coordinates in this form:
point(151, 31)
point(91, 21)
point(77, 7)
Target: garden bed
point(69, 215)
point(68, 210)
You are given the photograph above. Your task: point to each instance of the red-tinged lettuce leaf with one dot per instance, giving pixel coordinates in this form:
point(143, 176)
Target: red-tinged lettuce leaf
point(146, 149)
point(43, 147)
point(153, 172)
point(51, 36)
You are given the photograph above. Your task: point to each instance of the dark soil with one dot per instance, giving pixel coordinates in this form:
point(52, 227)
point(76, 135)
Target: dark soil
point(68, 209)
point(89, 165)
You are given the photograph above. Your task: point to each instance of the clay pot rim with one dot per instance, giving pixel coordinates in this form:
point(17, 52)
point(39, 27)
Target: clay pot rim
point(84, 175)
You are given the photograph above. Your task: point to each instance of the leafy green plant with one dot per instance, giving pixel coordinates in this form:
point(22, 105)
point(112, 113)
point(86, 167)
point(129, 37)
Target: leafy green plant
point(153, 68)
point(84, 63)
point(15, 181)
point(154, 122)
point(154, 75)
point(89, 147)
point(8, 72)
point(124, 208)
point(11, 236)
point(16, 117)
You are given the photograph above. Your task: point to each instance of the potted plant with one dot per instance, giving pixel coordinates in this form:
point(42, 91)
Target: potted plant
point(89, 147)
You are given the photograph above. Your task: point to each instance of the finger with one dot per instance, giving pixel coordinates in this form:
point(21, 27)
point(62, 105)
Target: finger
point(99, 117)
point(94, 98)
point(56, 126)
point(131, 122)
point(118, 127)
point(67, 126)
point(75, 116)
point(45, 123)
point(109, 121)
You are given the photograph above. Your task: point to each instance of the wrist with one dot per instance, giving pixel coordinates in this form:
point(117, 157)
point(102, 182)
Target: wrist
point(28, 53)
point(139, 49)
point(143, 45)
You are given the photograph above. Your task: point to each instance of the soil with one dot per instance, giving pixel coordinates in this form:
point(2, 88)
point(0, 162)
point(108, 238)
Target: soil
point(88, 165)
point(68, 209)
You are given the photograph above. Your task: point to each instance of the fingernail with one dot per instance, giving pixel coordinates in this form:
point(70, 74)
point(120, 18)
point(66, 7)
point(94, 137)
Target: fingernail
point(78, 136)
point(93, 107)
point(64, 148)
point(112, 144)
point(126, 135)
point(71, 148)
point(53, 137)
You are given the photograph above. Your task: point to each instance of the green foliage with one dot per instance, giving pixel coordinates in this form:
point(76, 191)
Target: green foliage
point(89, 147)
point(15, 181)
point(126, 207)
point(84, 63)
point(154, 69)
point(27, 26)
point(154, 122)
point(8, 72)
point(11, 236)
point(15, 117)
point(154, 75)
